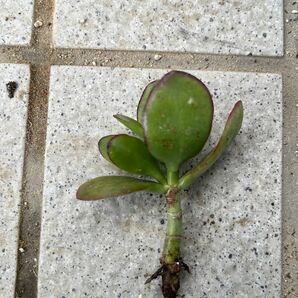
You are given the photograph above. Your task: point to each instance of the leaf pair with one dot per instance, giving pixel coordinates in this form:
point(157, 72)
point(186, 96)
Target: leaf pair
point(174, 120)
point(130, 154)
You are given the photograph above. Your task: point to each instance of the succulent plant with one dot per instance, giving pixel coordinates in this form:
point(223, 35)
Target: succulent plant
point(174, 119)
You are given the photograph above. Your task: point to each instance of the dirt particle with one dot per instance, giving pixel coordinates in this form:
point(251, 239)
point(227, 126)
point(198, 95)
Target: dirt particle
point(243, 221)
point(11, 88)
point(288, 275)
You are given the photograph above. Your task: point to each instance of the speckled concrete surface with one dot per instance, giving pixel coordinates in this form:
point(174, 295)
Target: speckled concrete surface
point(15, 22)
point(13, 115)
point(232, 222)
point(209, 26)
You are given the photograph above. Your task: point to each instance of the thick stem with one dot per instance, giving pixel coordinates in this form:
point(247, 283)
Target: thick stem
point(173, 178)
point(171, 251)
point(171, 260)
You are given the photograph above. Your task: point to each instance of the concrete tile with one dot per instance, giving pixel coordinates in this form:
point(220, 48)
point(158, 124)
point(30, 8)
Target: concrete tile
point(232, 220)
point(15, 22)
point(13, 115)
point(208, 26)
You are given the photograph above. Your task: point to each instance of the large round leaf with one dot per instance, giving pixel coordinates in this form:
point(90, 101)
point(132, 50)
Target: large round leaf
point(131, 154)
point(177, 118)
point(144, 99)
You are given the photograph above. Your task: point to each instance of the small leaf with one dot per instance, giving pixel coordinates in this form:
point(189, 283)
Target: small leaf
point(231, 129)
point(177, 118)
point(131, 154)
point(114, 186)
point(132, 124)
point(103, 146)
point(143, 100)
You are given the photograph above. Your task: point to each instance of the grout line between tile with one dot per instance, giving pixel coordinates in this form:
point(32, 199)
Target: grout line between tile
point(31, 205)
point(123, 58)
point(32, 185)
point(289, 210)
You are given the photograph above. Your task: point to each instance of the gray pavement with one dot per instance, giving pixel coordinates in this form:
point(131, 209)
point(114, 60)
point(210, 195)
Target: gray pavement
point(13, 116)
point(59, 247)
point(214, 26)
point(16, 22)
point(236, 254)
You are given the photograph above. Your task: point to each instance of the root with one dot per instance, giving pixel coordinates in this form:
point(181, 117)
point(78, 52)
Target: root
point(170, 278)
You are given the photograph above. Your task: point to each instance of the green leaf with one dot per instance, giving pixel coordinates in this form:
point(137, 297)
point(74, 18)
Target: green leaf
point(114, 186)
point(103, 146)
point(231, 129)
point(143, 100)
point(132, 124)
point(131, 154)
point(177, 118)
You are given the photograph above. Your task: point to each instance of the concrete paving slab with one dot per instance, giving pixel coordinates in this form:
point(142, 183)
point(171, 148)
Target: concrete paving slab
point(16, 22)
point(232, 220)
point(13, 115)
point(209, 26)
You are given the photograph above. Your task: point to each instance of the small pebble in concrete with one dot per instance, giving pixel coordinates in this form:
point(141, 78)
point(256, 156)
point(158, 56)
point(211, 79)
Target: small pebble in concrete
point(16, 22)
point(232, 230)
point(13, 116)
point(38, 24)
point(83, 21)
point(157, 57)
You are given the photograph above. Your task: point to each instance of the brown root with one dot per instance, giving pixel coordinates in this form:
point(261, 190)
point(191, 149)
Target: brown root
point(170, 278)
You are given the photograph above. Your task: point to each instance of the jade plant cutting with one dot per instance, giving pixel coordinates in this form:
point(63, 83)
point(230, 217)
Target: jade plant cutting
point(174, 119)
